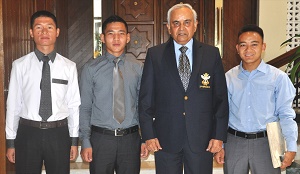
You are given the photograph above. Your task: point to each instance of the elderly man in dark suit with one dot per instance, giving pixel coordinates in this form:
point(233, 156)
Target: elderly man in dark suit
point(183, 103)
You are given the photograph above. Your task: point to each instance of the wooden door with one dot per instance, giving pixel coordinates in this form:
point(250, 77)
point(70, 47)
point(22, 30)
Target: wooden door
point(237, 13)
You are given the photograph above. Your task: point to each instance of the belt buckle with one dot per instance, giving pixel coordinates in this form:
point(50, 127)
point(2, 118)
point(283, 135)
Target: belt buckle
point(248, 135)
point(117, 131)
point(41, 125)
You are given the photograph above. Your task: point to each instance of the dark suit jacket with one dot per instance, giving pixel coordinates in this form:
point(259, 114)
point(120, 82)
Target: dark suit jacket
point(198, 114)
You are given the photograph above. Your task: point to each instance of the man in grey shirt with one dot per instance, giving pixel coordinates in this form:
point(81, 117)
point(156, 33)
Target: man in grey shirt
point(108, 143)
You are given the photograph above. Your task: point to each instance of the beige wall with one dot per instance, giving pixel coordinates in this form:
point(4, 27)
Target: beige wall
point(272, 19)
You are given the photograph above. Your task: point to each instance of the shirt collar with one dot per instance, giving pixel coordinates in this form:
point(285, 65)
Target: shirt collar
point(189, 45)
point(40, 55)
point(262, 67)
point(111, 57)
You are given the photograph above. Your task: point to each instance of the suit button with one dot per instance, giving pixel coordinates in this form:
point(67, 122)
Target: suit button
point(183, 114)
point(186, 97)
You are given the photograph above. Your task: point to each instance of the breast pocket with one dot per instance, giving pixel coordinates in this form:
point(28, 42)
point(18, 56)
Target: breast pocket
point(59, 86)
point(263, 95)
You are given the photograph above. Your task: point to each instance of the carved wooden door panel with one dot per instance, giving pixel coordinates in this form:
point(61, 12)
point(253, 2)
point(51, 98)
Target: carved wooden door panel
point(141, 19)
point(147, 21)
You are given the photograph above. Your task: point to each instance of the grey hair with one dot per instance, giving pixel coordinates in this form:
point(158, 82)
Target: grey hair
point(178, 6)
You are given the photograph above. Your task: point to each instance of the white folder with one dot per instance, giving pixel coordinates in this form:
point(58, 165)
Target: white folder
point(277, 143)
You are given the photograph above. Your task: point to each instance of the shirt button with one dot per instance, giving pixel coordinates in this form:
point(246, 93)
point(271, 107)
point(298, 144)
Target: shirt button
point(186, 97)
point(183, 114)
point(249, 107)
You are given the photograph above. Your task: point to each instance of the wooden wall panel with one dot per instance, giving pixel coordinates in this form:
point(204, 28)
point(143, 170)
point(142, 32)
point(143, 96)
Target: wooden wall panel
point(17, 41)
point(58, 7)
point(237, 13)
point(2, 98)
point(80, 31)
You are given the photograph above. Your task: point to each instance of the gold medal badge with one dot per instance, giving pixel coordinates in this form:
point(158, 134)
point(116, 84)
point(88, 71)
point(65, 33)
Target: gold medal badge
point(205, 82)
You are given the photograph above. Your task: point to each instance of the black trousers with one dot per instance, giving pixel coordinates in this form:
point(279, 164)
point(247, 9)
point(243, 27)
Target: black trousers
point(192, 163)
point(34, 146)
point(119, 154)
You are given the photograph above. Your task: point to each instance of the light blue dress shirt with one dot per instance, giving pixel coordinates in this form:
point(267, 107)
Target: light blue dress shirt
point(188, 52)
point(259, 97)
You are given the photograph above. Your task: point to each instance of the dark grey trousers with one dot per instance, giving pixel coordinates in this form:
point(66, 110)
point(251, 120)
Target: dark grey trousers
point(36, 146)
point(242, 155)
point(119, 154)
point(192, 163)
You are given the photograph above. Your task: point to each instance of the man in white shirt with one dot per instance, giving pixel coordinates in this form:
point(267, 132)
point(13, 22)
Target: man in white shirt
point(43, 130)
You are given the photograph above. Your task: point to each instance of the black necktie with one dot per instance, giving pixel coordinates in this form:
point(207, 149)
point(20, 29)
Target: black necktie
point(45, 110)
point(184, 68)
point(118, 93)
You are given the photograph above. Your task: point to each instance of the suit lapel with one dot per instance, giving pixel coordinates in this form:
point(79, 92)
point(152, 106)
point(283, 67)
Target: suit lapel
point(197, 59)
point(170, 58)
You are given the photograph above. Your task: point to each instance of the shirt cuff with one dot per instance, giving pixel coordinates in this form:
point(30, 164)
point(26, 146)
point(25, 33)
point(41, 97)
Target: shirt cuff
point(74, 141)
point(86, 144)
point(10, 143)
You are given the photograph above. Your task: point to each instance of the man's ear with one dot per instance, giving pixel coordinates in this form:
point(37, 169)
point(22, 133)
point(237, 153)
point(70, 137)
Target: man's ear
point(57, 32)
point(102, 38)
point(31, 33)
point(128, 38)
point(169, 29)
point(264, 46)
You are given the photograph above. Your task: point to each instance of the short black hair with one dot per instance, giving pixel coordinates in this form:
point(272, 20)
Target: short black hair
point(111, 19)
point(42, 13)
point(252, 28)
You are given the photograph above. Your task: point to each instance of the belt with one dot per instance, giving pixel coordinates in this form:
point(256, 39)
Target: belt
point(247, 135)
point(44, 125)
point(116, 132)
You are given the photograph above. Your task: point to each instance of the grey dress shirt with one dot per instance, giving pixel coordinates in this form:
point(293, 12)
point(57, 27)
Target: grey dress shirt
point(96, 89)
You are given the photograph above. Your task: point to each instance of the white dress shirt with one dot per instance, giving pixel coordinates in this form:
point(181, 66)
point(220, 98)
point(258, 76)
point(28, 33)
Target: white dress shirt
point(24, 93)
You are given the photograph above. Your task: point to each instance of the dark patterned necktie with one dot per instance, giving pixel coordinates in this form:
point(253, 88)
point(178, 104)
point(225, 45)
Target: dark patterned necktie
point(118, 93)
point(184, 68)
point(45, 110)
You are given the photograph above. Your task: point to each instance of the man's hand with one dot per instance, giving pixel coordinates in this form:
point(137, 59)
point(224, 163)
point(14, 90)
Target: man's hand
point(87, 154)
point(219, 156)
point(153, 145)
point(10, 154)
point(214, 146)
point(288, 159)
point(144, 151)
point(73, 152)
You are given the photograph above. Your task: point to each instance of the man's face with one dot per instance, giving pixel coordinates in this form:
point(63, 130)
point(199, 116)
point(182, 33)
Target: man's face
point(250, 48)
point(115, 38)
point(182, 25)
point(44, 32)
